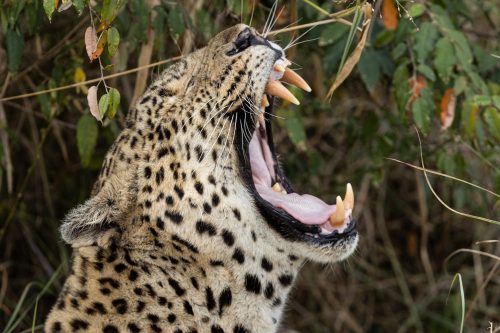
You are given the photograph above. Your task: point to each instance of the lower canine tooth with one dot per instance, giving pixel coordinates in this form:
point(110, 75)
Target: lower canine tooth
point(349, 197)
point(337, 218)
point(277, 187)
point(277, 89)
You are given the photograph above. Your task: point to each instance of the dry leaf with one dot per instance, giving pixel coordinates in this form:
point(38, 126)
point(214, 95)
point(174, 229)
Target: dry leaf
point(390, 15)
point(448, 103)
point(355, 55)
point(416, 83)
point(93, 105)
point(90, 41)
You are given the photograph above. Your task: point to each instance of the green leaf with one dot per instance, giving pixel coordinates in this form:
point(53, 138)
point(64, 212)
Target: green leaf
point(469, 118)
point(478, 82)
point(462, 49)
point(33, 19)
point(86, 138)
point(485, 61)
point(332, 33)
point(460, 85)
point(15, 44)
point(103, 105)
point(113, 40)
point(422, 108)
point(17, 7)
point(482, 100)
point(425, 41)
point(496, 101)
point(442, 18)
point(176, 22)
point(402, 91)
point(492, 119)
point(358, 16)
point(398, 51)
point(444, 59)
point(427, 71)
point(416, 10)
point(384, 38)
point(296, 132)
point(159, 20)
point(114, 102)
point(110, 9)
point(49, 6)
point(80, 5)
point(369, 68)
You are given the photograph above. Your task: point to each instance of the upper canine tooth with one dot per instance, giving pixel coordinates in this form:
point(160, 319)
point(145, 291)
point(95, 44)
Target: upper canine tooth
point(277, 89)
point(349, 197)
point(265, 101)
point(295, 79)
point(279, 68)
point(338, 217)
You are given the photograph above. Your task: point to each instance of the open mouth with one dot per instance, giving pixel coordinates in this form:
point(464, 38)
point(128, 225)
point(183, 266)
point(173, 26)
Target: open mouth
point(296, 216)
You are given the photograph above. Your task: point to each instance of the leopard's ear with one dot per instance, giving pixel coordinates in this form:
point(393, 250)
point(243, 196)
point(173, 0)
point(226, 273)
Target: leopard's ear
point(100, 218)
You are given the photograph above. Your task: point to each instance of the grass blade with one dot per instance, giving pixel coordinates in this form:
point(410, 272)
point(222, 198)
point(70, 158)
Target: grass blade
point(462, 298)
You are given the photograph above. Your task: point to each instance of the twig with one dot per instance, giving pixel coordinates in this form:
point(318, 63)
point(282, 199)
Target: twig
point(484, 219)
point(315, 6)
point(312, 24)
point(443, 175)
point(4, 138)
point(424, 234)
point(74, 85)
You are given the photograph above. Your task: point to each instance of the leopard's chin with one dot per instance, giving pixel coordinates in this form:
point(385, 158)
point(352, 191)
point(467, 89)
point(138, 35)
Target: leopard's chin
point(298, 218)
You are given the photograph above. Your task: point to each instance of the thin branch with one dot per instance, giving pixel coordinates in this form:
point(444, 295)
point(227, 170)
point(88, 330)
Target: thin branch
point(444, 175)
point(74, 85)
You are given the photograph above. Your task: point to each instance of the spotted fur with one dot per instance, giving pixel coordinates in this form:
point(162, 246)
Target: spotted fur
point(171, 239)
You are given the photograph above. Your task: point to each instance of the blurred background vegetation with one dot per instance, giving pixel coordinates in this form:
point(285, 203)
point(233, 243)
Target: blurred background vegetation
point(433, 64)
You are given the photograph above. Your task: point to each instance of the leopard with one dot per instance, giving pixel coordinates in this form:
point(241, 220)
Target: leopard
point(191, 225)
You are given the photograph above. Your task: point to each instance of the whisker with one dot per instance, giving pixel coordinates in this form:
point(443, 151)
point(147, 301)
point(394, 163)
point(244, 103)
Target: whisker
point(275, 21)
point(270, 17)
point(300, 36)
point(301, 42)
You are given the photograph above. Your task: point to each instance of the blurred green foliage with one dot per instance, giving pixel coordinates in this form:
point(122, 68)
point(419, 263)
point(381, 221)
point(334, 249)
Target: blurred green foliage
point(401, 80)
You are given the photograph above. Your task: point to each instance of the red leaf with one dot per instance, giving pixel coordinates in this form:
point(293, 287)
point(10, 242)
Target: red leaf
point(390, 15)
point(448, 103)
point(416, 84)
point(100, 46)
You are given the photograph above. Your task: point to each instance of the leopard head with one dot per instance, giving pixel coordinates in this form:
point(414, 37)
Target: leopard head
point(196, 165)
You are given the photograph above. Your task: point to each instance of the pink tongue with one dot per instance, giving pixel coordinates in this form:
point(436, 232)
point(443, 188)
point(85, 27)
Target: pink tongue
point(306, 208)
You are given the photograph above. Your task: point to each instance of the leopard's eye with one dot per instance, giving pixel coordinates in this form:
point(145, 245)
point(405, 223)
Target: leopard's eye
point(242, 42)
